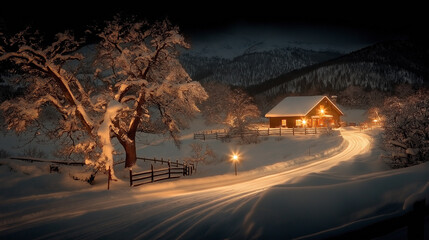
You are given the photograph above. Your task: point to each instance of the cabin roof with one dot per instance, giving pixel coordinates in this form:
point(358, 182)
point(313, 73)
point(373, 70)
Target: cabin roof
point(298, 106)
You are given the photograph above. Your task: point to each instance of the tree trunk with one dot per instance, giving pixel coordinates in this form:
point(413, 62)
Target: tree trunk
point(130, 153)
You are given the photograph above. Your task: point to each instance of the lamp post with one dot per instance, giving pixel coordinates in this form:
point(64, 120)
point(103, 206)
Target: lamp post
point(235, 159)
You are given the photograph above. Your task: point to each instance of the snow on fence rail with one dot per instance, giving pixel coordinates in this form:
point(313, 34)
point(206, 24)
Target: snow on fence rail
point(29, 159)
point(174, 170)
point(221, 134)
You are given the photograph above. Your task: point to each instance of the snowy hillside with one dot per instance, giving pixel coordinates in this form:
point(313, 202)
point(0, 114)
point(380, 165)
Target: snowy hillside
point(317, 186)
point(245, 55)
point(252, 67)
point(381, 67)
point(368, 75)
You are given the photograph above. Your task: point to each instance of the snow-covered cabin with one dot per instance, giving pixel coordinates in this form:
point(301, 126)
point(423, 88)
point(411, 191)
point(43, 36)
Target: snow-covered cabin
point(305, 111)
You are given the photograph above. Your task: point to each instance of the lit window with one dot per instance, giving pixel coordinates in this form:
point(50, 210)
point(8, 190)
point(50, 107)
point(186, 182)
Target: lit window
point(283, 122)
point(298, 123)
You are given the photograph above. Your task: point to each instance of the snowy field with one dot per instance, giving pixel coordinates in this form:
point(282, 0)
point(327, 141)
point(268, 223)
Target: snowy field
point(287, 187)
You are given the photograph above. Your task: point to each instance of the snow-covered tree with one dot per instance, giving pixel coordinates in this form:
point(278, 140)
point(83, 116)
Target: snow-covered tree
point(216, 107)
point(242, 110)
point(138, 80)
point(232, 107)
point(200, 154)
point(407, 128)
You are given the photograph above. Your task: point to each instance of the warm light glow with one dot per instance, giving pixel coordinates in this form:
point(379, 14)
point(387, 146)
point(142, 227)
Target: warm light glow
point(304, 122)
point(322, 110)
point(235, 156)
point(375, 120)
point(235, 160)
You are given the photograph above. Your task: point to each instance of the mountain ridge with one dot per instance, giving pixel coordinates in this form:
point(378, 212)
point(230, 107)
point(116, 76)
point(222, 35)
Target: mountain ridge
point(405, 59)
point(252, 67)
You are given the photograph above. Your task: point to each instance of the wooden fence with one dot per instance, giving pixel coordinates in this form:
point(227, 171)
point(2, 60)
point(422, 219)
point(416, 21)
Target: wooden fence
point(222, 134)
point(173, 170)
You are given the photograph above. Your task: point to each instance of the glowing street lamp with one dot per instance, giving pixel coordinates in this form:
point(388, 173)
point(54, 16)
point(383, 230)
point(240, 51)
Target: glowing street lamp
point(235, 160)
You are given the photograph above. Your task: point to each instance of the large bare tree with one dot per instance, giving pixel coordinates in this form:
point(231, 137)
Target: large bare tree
point(137, 81)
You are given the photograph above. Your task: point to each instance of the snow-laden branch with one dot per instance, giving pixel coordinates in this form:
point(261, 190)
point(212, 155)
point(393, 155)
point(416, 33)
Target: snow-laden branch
point(136, 73)
point(47, 64)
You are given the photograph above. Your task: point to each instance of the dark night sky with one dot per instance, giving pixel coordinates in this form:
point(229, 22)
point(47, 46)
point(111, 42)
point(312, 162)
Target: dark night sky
point(364, 18)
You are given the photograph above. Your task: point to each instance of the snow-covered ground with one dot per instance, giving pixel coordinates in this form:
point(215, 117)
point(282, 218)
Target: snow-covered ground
point(287, 187)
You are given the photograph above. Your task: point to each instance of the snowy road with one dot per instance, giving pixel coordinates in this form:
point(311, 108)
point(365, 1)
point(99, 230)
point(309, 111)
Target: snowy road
point(212, 208)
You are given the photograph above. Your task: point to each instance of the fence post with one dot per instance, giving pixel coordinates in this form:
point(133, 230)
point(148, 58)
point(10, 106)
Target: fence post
point(109, 176)
point(184, 169)
point(305, 131)
point(315, 129)
point(293, 131)
point(151, 168)
point(169, 169)
point(131, 177)
point(280, 131)
point(177, 163)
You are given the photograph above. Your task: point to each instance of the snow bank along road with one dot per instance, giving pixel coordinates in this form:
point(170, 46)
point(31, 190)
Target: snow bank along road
point(212, 208)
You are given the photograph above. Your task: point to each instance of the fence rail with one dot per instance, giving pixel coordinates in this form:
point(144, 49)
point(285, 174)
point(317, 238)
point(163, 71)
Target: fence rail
point(221, 134)
point(174, 170)
point(29, 159)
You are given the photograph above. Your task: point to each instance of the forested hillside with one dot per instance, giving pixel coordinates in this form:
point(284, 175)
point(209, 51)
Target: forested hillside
point(251, 68)
point(380, 67)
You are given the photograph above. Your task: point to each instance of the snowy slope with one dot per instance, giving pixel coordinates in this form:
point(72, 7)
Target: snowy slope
point(381, 66)
point(251, 67)
point(326, 184)
point(245, 55)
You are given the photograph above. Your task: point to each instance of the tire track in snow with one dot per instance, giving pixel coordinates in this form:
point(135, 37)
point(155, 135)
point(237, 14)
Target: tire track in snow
point(176, 213)
point(358, 144)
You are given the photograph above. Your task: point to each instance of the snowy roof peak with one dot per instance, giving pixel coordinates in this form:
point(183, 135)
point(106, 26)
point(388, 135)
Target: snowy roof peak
point(297, 106)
